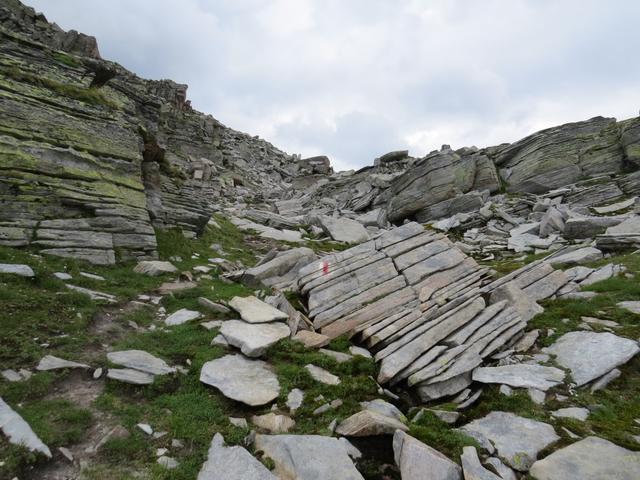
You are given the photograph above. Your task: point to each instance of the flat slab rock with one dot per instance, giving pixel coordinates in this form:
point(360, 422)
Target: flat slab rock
point(590, 355)
point(473, 469)
point(181, 316)
point(344, 229)
point(592, 458)
point(129, 375)
point(16, 269)
point(141, 361)
point(520, 376)
point(232, 463)
point(247, 381)
point(577, 413)
point(418, 461)
point(322, 376)
point(308, 457)
point(254, 310)
point(19, 432)
point(516, 439)
point(253, 339)
point(49, 362)
point(582, 255)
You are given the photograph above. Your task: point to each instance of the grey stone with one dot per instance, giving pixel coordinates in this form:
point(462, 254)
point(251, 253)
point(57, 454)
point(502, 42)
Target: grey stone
point(418, 461)
point(62, 276)
point(592, 458)
point(339, 357)
point(359, 352)
point(18, 432)
point(311, 339)
point(582, 255)
point(21, 270)
point(183, 315)
point(504, 472)
point(92, 294)
point(576, 413)
point(590, 355)
point(344, 229)
point(254, 339)
point(141, 361)
point(128, 375)
point(273, 423)
point(632, 306)
point(321, 375)
point(254, 310)
point(247, 381)
point(308, 457)
point(239, 422)
point(49, 362)
point(212, 306)
point(472, 468)
point(169, 463)
point(369, 423)
point(294, 399)
point(520, 376)
point(517, 440)
point(604, 380)
point(526, 307)
point(232, 463)
point(384, 408)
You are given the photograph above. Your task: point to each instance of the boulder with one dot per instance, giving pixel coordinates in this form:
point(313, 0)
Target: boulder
point(273, 423)
point(253, 339)
point(18, 432)
point(247, 381)
point(49, 362)
point(141, 361)
point(590, 355)
point(232, 463)
point(516, 439)
point(322, 376)
point(369, 423)
point(344, 229)
point(129, 375)
point(577, 413)
point(472, 468)
point(181, 316)
point(592, 458)
point(21, 270)
point(308, 457)
point(418, 461)
point(254, 310)
point(311, 339)
point(154, 268)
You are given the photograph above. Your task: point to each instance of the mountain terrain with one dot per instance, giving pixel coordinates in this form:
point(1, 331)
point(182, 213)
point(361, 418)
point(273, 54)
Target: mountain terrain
point(182, 300)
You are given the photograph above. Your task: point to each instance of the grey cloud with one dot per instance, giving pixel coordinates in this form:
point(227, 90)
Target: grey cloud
point(353, 79)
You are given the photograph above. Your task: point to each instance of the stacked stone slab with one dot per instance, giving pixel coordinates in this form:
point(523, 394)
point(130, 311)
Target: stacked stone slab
point(421, 305)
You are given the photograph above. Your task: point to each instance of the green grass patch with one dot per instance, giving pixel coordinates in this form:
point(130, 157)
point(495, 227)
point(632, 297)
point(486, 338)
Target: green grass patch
point(66, 59)
point(439, 435)
point(92, 96)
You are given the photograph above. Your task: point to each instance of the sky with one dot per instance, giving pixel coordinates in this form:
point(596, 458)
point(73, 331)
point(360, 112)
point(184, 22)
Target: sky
point(354, 79)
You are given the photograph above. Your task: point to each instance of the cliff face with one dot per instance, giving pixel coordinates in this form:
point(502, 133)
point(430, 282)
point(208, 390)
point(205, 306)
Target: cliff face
point(89, 171)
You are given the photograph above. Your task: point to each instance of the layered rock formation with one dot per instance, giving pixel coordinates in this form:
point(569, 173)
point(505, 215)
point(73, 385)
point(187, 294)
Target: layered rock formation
point(88, 172)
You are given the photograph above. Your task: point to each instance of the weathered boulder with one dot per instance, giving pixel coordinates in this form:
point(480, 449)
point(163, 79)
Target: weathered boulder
point(592, 458)
point(520, 375)
point(418, 461)
point(369, 422)
point(308, 457)
point(254, 310)
point(589, 355)
point(154, 268)
point(232, 463)
point(253, 339)
point(344, 229)
point(21, 270)
point(516, 439)
point(18, 432)
point(247, 381)
point(183, 315)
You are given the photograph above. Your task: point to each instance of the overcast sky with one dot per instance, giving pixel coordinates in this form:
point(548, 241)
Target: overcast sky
point(353, 79)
